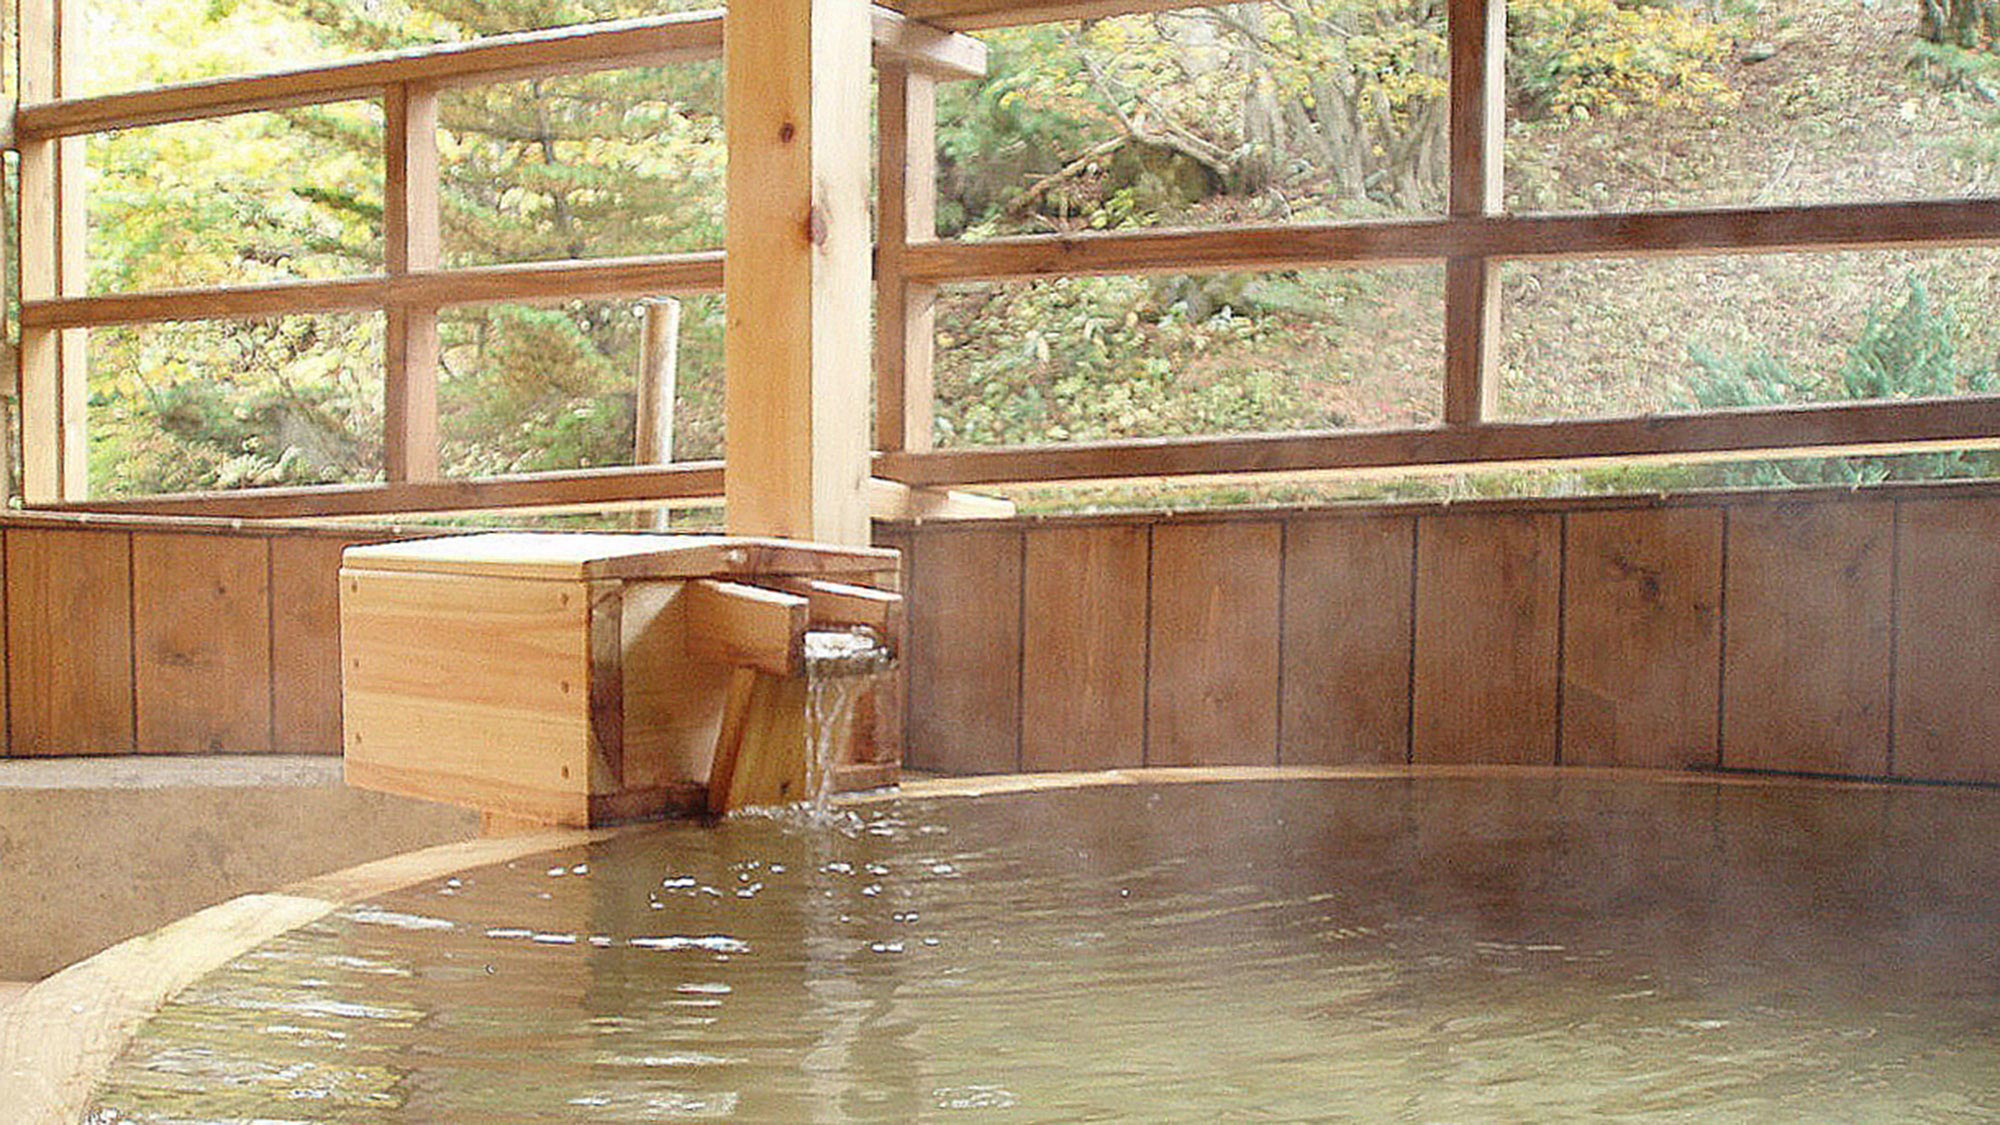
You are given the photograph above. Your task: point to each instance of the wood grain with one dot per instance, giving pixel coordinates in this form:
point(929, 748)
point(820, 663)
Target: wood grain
point(1471, 341)
point(202, 644)
point(964, 652)
point(672, 704)
point(1970, 421)
point(412, 239)
point(730, 623)
point(6, 736)
point(1948, 641)
point(52, 366)
point(1347, 640)
point(1212, 677)
point(1486, 637)
point(645, 41)
point(906, 212)
point(1478, 104)
point(1806, 660)
point(469, 689)
point(1831, 226)
point(305, 644)
point(69, 640)
point(688, 480)
point(1083, 680)
point(797, 108)
point(509, 283)
point(1642, 638)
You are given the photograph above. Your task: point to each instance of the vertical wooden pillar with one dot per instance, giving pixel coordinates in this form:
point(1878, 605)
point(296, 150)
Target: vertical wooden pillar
point(905, 314)
point(797, 282)
point(411, 240)
point(53, 363)
point(10, 391)
point(1478, 129)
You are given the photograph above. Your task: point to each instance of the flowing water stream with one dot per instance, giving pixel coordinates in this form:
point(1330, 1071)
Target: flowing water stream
point(1387, 950)
point(841, 669)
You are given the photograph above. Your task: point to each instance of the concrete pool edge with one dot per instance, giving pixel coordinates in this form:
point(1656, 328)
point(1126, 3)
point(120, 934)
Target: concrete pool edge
point(60, 1038)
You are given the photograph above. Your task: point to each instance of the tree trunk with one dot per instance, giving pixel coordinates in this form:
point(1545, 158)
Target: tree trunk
point(1971, 24)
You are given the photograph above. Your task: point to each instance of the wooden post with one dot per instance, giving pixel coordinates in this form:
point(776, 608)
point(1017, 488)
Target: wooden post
point(905, 314)
point(411, 240)
point(1478, 129)
point(10, 363)
point(53, 364)
point(797, 280)
point(659, 376)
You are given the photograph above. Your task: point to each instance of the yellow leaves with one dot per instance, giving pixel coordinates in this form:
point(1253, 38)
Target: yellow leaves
point(1594, 56)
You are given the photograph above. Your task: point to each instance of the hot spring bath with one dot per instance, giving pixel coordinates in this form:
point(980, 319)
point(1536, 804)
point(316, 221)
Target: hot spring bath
point(1468, 945)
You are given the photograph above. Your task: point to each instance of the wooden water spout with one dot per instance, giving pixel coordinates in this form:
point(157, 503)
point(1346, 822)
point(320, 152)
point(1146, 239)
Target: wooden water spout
point(584, 679)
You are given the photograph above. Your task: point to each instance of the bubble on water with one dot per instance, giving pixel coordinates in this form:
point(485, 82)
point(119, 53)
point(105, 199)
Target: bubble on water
point(715, 943)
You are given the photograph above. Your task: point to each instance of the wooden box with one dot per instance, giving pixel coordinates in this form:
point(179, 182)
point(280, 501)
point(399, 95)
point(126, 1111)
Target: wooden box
point(567, 679)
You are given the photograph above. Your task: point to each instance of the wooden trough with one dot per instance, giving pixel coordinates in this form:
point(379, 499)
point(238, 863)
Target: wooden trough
point(579, 680)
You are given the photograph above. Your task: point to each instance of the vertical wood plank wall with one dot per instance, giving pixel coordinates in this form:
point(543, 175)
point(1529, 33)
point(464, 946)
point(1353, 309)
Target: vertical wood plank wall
point(1848, 633)
point(170, 637)
point(1837, 632)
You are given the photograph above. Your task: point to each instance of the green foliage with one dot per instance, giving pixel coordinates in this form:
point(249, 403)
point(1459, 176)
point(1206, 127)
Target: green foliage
point(184, 406)
point(1908, 351)
point(1585, 57)
point(1097, 358)
point(1301, 111)
point(625, 162)
point(1971, 25)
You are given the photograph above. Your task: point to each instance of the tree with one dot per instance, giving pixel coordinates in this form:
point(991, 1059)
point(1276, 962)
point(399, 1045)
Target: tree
point(1970, 25)
point(596, 165)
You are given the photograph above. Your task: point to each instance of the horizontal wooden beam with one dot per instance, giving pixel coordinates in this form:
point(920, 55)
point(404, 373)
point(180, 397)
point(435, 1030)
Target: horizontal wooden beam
point(747, 626)
point(653, 275)
point(971, 15)
point(926, 49)
point(526, 282)
point(226, 302)
point(692, 480)
point(1833, 429)
point(640, 42)
point(649, 41)
point(1846, 226)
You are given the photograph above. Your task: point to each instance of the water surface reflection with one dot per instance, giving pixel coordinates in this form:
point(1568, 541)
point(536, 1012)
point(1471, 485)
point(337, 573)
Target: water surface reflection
point(1527, 949)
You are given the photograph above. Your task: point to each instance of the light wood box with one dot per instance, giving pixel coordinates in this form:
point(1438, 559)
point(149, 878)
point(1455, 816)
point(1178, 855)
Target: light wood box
point(551, 678)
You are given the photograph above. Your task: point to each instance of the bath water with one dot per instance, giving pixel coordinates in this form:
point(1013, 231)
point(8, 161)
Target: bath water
point(1525, 949)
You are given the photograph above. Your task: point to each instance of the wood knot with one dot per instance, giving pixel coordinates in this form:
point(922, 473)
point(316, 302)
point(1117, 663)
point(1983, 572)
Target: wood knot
point(816, 226)
point(787, 131)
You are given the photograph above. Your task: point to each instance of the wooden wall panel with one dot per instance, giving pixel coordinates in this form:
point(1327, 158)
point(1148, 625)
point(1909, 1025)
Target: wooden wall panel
point(1212, 682)
point(1642, 638)
point(965, 651)
point(6, 745)
point(1806, 666)
point(1487, 606)
point(1948, 640)
point(69, 637)
point(202, 643)
point(305, 644)
point(1347, 640)
point(1083, 694)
